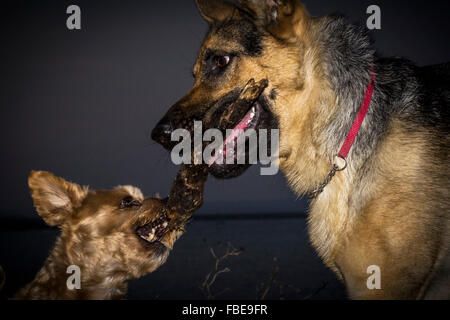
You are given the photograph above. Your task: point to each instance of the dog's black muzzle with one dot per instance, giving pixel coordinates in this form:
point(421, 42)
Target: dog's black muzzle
point(162, 133)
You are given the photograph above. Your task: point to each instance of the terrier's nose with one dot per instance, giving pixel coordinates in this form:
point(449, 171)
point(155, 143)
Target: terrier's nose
point(162, 133)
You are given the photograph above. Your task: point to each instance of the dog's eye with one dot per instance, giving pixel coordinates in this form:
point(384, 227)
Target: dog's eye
point(129, 202)
point(222, 61)
point(217, 63)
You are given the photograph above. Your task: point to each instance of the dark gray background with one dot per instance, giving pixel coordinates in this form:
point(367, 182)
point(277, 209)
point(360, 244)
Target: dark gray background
point(82, 104)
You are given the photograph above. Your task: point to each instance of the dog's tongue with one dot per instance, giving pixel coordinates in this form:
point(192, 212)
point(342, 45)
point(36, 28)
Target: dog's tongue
point(235, 133)
point(186, 195)
point(235, 113)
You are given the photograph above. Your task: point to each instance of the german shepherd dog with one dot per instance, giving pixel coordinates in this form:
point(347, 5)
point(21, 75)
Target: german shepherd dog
point(390, 207)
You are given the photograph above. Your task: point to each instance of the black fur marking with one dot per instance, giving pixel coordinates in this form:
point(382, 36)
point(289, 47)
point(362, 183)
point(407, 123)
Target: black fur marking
point(245, 33)
point(273, 94)
point(434, 85)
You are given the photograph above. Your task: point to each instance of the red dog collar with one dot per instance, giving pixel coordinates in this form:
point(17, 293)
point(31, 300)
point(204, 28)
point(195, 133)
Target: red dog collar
point(350, 139)
point(359, 118)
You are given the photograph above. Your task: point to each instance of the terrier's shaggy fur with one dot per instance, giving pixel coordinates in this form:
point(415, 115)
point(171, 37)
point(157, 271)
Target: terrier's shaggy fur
point(98, 235)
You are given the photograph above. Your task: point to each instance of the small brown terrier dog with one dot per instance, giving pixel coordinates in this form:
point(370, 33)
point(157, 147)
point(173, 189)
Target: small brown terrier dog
point(111, 236)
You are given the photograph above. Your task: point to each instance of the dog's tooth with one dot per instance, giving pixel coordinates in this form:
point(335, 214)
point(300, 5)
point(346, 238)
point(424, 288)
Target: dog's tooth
point(165, 224)
point(150, 237)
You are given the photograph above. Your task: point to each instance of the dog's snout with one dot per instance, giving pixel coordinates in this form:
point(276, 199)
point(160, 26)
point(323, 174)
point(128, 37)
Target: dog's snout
point(162, 133)
point(163, 128)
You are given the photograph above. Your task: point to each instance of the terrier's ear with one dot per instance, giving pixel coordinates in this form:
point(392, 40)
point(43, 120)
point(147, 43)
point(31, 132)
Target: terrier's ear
point(215, 11)
point(284, 19)
point(54, 198)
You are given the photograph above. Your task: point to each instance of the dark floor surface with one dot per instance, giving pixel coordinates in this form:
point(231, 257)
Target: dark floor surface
point(268, 244)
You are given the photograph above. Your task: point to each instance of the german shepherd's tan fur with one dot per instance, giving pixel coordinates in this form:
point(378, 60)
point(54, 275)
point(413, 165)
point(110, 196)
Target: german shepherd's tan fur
point(391, 206)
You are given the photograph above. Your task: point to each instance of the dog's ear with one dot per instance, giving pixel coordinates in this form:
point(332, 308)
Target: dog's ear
point(284, 19)
point(215, 11)
point(54, 198)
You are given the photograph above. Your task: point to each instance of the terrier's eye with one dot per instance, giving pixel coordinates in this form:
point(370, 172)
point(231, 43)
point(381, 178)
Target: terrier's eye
point(222, 61)
point(129, 202)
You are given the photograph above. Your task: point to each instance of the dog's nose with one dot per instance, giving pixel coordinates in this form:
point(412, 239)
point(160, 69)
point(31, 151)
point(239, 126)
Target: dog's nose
point(162, 133)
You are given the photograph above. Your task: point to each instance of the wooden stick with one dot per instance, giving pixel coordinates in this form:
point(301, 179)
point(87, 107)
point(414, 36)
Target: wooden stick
point(237, 110)
point(186, 195)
